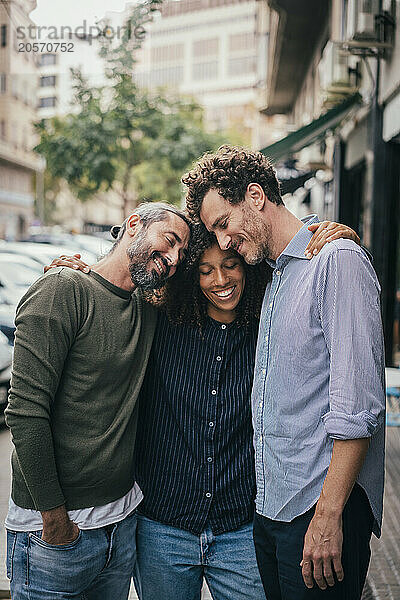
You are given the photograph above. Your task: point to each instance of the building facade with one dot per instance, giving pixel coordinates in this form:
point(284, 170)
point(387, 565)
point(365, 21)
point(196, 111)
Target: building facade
point(334, 70)
point(214, 51)
point(20, 169)
point(55, 82)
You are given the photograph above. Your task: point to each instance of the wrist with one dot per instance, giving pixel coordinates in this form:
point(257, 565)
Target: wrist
point(55, 516)
point(329, 509)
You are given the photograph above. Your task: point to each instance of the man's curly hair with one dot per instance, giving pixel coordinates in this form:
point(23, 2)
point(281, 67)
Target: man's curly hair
point(229, 170)
point(183, 300)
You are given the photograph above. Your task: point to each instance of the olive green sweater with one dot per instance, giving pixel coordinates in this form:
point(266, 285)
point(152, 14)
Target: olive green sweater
point(81, 350)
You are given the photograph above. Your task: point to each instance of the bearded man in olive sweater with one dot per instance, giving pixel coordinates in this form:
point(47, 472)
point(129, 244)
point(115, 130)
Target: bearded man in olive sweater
point(81, 350)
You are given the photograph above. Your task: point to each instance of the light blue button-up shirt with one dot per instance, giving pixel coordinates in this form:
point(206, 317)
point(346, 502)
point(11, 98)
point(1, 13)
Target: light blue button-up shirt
point(319, 375)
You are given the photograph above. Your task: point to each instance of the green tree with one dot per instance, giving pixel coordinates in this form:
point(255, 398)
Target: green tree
point(122, 137)
point(180, 141)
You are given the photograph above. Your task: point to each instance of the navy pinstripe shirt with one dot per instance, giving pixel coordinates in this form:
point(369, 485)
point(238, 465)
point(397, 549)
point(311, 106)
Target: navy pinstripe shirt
point(194, 451)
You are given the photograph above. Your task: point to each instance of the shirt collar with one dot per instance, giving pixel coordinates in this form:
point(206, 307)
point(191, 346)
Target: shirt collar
point(297, 245)
point(219, 324)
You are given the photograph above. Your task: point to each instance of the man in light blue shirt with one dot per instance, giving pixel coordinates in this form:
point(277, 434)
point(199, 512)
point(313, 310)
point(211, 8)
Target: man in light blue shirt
point(318, 395)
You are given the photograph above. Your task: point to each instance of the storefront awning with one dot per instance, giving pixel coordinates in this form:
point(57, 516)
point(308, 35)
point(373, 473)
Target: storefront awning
point(310, 133)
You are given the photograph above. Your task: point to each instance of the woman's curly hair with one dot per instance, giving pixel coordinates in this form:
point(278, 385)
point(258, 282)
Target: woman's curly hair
point(183, 300)
point(229, 170)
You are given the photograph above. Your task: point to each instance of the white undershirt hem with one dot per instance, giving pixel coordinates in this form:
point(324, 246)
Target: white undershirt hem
point(26, 519)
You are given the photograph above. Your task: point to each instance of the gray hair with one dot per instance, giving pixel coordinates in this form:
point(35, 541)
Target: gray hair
point(149, 212)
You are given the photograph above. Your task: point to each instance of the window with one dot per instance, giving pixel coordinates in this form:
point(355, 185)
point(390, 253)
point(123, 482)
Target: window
point(207, 70)
point(47, 102)
point(168, 76)
point(169, 53)
point(242, 41)
point(205, 47)
point(3, 134)
point(48, 81)
point(3, 36)
point(14, 85)
point(14, 134)
point(48, 59)
point(3, 83)
point(242, 65)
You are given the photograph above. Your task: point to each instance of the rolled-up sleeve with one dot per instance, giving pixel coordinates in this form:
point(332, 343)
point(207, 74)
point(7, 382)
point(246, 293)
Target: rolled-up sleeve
point(349, 309)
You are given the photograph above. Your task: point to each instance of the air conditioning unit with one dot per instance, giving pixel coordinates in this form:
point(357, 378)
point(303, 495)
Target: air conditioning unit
point(361, 20)
point(336, 71)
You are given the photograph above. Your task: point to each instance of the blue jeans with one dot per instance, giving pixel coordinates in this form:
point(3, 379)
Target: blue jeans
point(172, 563)
point(98, 565)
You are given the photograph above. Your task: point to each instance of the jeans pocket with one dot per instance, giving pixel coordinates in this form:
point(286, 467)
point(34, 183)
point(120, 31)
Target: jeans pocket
point(58, 571)
point(11, 541)
point(68, 546)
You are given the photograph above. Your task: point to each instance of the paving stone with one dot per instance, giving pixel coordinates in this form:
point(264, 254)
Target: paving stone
point(383, 580)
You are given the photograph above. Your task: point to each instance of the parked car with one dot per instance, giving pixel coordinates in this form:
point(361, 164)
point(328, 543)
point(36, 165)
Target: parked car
point(44, 253)
point(5, 373)
point(7, 321)
point(82, 243)
point(17, 273)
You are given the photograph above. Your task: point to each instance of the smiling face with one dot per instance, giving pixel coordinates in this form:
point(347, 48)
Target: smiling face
point(222, 280)
point(156, 251)
point(236, 226)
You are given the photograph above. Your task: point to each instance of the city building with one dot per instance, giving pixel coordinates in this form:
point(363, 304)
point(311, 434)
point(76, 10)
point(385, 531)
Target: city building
point(71, 50)
point(20, 169)
point(334, 71)
point(216, 52)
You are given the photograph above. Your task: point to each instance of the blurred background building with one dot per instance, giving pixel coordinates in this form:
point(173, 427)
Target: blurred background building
point(20, 169)
point(55, 84)
point(216, 51)
point(334, 71)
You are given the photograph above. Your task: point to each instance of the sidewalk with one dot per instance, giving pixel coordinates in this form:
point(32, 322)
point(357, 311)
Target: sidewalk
point(384, 574)
point(5, 478)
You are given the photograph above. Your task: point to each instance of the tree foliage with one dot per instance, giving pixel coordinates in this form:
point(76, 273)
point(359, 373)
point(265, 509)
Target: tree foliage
point(121, 137)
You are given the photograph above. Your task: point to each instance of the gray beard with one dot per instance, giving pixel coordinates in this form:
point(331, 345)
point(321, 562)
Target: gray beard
point(140, 254)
